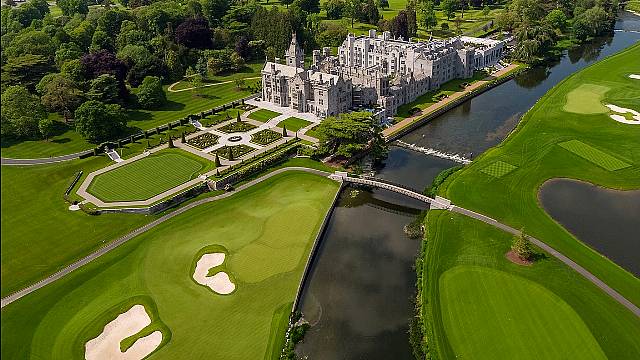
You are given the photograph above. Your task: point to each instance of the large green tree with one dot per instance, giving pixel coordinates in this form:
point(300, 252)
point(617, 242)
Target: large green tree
point(427, 14)
point(150, 93)
point(105, 88)
point(62, 95)
point(351, 133)
point(21, 113)
point(449, 8)
point(97, 121)
point(71, 7)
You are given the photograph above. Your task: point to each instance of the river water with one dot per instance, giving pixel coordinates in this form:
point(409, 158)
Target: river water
point(358, 296)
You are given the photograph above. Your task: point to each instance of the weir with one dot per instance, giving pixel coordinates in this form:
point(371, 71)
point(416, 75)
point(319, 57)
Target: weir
point(434, 152)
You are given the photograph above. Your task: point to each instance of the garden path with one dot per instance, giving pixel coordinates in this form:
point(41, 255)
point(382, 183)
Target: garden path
point(170, 88)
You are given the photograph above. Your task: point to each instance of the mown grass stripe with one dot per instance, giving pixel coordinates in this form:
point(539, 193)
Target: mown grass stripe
point(594, 155)
point(145, 178)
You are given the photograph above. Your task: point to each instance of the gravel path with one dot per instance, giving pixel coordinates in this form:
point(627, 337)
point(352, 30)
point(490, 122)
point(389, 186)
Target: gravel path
point(41, 161)
point(112, 245)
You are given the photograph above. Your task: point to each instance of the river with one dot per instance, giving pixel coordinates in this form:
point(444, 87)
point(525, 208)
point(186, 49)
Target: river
point(358, 296)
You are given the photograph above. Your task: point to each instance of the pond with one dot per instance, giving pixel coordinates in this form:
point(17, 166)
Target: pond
point(607, 220)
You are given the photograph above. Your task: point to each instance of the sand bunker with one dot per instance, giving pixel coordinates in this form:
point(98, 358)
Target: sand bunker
point(220, 282)
point(107, 344)
point(635, 76)
point(622, 119)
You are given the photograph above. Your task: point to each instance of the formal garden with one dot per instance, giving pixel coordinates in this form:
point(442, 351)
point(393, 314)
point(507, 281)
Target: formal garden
point(203, 141)
point(219, 118)
point(148, 176)
point(232, 153)
point(238, 126)
point(265, 137)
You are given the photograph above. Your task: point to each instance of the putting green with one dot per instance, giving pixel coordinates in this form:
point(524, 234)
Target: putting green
point(149, 176)
point(267, 230)
point(491, 314)
point(586, 99)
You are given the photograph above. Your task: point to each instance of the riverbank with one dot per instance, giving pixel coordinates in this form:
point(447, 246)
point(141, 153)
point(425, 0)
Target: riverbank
point(505, 182)
point(409, 124)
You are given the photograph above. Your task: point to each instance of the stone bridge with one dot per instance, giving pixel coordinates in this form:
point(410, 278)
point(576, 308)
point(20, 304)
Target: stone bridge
point(435, 203)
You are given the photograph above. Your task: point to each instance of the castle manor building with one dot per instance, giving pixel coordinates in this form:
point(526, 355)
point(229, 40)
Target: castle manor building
point(373, 72)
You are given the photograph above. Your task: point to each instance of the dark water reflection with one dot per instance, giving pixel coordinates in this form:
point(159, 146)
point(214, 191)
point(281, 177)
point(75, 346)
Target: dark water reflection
point(607, 220)
point(358, 295)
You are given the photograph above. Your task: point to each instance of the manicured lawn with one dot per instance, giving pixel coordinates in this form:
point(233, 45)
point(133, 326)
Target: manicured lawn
point(251, 70)
point(39, 234)
point(263, 115)
point(149, 176)
point(498, 169)
point(266, 259)
point(491, 314)
point(633, 5)
point(221, 117)
point(594, 155)
point(184, 103)
point(479, 305)
point(294, 124)
point(513, 199)
point(313, 132)
point(586, 99)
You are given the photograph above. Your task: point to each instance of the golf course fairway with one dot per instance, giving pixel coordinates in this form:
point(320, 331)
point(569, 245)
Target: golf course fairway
point(266, 232)
point(498, 323)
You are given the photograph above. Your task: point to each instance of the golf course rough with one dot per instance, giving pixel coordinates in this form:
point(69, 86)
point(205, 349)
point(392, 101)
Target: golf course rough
point(148, 176)
point(492, 314)
point(267, 230)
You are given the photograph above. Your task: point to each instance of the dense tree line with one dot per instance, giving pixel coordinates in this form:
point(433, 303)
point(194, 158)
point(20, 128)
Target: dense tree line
point(539, 24)
point(121, 56)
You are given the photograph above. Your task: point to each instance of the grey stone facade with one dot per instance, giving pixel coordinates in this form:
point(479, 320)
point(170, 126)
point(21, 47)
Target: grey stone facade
point(373, 72)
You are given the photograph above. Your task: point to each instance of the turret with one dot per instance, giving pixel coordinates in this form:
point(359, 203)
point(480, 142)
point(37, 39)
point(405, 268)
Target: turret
point(294, 55)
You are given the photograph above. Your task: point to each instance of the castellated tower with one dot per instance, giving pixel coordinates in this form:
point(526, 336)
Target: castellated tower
point(294, 55)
